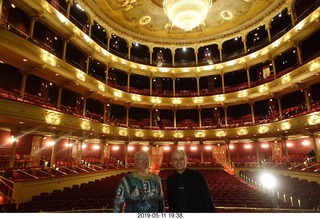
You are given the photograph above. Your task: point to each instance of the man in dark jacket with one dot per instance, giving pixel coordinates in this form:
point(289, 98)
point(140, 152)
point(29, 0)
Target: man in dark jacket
point(187, 189)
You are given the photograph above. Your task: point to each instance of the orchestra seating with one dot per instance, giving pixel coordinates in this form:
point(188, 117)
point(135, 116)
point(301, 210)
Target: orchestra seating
point(230, 193)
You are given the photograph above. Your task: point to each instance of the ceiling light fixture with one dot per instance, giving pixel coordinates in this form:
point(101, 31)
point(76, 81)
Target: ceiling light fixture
point(186, 14)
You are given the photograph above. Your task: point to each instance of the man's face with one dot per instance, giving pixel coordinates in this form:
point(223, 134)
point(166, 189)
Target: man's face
point(142, 162)
point(179, 161)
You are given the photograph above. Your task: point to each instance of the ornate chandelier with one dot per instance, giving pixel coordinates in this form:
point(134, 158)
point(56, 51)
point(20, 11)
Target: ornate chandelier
point(186, 14)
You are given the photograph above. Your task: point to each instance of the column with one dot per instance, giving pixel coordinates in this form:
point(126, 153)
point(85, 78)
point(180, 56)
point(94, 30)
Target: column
point(108, 41)
point(175, 117)
point(225, 108)
point(279, 106)
point(107, 73)
point(127, 114)
point(274, 68)
point(32, 22)
point(129, 50)
point(68, 9)
point(128, 81)
point(220, 52)
point(316, 146)
point(53, 152)
point(81, 141)
point(23, 84)
point(150, 85)
point(196, 56)
point(59, 97)
point(293, 15)
point(87, 64)
point(248, 76)
point(36, 152)
point(268, 30)
point(222, 80)
point(284, 142)
point(306, 92)
point(256, 145)
point(151, 117)
point(150, 56)
point(173, 54)
point(126, 154)
point(201, 150)
point(252, 113)
point(199, 115)
point(244, 40)
point(174, 85)
point(229, 154)
point(13, 149)
point(64, 50)
point(198, 85)
point(299, 53)
point(84, 107)
point(102, 155)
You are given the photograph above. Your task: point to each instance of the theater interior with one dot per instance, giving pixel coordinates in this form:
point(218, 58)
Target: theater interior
point(86, 84)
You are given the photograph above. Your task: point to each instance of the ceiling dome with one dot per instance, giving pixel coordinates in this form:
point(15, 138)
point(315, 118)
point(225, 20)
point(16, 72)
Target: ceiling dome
point(146, 21)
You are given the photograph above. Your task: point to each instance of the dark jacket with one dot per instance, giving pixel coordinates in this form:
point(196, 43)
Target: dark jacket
point(189, 192)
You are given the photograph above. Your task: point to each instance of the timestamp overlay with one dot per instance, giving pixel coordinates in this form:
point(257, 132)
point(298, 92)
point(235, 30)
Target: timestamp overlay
point(110, 215)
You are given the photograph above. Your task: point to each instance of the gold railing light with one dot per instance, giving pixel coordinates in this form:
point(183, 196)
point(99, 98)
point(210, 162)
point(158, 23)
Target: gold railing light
point(200, 134)
point(101, 86)
point(87, 38)
point(263, 128)
point(221, 133)
point(106, 129)
point(176, 101)
point(285, 79)
point(80, 75)
point(158, 134)
point(53, 118)
point(285, 125)
point(242, 93)
point(314, 119)
point(155, 100)
point(178, 134)
point(48, 58)
point(117, 93)
point(219, 98)
point(263, 88)
point(314, 66)
point(136, 97)
point(242, 131)
point(197, 100)
point(123, 132)
point(85, 124)
point(139, 133)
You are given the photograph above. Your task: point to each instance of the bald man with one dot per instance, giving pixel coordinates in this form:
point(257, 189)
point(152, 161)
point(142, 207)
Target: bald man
point(187, 189)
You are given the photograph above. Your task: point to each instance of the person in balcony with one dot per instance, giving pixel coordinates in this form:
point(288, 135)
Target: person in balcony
point(187, 189)
point(141, 190)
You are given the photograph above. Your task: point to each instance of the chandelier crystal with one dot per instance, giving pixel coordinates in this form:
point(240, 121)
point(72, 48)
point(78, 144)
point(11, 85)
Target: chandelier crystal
point(186, 14)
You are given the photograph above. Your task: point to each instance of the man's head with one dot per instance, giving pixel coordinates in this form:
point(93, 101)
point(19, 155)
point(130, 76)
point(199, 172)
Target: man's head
point(179, 160)
point(142, 162)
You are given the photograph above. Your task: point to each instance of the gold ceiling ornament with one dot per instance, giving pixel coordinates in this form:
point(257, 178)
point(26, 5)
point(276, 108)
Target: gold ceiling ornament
point(186, 14)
